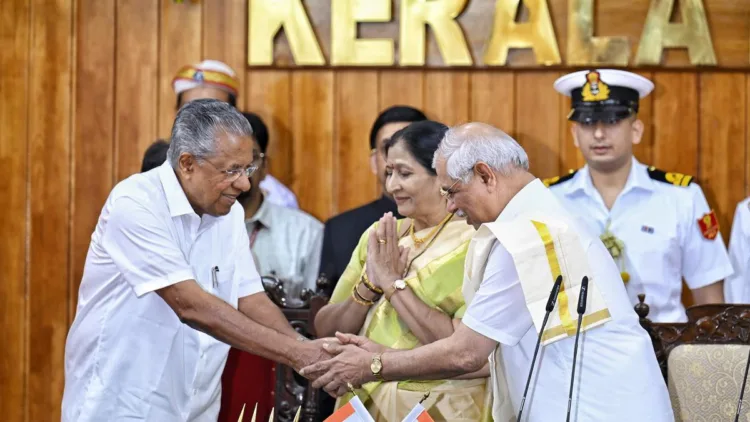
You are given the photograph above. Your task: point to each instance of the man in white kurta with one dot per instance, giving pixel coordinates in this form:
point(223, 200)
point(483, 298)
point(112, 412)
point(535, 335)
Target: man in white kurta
point(524, 239)
point(169, 284)
point(617, 379)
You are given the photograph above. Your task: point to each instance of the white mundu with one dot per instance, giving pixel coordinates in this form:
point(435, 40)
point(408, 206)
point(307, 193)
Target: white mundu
point(510, 268)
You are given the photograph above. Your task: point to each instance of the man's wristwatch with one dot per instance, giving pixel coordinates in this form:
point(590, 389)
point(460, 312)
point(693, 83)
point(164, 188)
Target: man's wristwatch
point(376, 366)
point(396, 286)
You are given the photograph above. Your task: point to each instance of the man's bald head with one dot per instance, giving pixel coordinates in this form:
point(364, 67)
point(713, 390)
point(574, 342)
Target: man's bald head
point(466, 145)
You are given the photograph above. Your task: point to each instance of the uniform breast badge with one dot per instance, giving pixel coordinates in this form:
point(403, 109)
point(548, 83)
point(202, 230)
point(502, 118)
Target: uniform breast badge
point(616, 249)
point(709, 225)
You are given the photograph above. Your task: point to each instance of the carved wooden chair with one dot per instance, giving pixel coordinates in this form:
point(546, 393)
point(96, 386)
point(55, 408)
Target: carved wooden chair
point(292, 390)
point(703, 360)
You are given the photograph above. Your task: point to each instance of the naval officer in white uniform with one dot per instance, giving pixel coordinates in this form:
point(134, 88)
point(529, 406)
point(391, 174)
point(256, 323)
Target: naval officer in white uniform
point(657, 225)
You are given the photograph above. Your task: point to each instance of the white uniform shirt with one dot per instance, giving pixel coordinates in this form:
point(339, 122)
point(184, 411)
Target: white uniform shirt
point(286, 242)
point(737, 287)
point(658, 223)
point(617, 376)
point(128, 356)
point(276, 192)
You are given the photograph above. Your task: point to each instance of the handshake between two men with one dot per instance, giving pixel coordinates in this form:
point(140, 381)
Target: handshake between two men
point(348, 362)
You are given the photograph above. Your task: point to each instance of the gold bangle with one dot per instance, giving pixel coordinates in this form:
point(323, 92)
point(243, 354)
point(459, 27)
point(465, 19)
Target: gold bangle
point(361, 297)
point(360, 300)
point(369, 285)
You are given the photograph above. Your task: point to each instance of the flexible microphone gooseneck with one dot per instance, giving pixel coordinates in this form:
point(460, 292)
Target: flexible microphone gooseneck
point(550, 306)
point(742, 391)
point(581, 310)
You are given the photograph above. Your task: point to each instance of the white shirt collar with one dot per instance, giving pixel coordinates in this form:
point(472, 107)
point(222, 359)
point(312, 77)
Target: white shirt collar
point(264, 213)
point(176, 199)
point(637, 179)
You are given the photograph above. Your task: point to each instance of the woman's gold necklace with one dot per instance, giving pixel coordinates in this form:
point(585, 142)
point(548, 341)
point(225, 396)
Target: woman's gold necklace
point(417, 241)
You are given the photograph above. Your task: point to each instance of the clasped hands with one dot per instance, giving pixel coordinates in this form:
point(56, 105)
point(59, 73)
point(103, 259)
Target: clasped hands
point(349, 364)
point(386, 260)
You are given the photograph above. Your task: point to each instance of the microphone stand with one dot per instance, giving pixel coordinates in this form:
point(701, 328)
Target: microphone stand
point(550, 306)
point(581, 310)
point(742, 391)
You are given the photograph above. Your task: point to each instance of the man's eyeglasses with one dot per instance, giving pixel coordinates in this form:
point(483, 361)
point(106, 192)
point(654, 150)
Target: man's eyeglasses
point(448, 193)
point(232, 175)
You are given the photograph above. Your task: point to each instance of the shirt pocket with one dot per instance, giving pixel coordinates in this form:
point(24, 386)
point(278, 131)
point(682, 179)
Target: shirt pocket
point(651, 254)
point(226, 288)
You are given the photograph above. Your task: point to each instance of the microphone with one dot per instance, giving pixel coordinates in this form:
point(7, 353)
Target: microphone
point(742, 392)
point(581, 310)
point(550, 306)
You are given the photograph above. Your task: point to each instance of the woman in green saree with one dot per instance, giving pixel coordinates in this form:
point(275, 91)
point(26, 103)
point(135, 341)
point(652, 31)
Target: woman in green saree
point(411, 295)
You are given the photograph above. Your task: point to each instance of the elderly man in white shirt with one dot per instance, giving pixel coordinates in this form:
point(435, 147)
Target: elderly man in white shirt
point(525, 239)
point(169, 284)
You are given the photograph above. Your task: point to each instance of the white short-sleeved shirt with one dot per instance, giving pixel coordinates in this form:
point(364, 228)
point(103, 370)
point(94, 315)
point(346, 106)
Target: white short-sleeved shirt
point(128, 356)
point(277, 193)
point(658, 223)
point(617, 376)
point(286, 243)
point(737, 287)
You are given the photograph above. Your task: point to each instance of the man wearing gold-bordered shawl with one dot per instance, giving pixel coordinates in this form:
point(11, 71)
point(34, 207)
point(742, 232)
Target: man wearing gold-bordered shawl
point(525, 239)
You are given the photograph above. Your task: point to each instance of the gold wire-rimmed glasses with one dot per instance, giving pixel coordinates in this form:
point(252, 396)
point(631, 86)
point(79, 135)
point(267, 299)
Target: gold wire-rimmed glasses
point(448, 193)
point(232, 175)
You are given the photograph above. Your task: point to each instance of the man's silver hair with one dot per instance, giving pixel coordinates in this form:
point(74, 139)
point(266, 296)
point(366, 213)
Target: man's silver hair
point(198, 125)
point(464, 146)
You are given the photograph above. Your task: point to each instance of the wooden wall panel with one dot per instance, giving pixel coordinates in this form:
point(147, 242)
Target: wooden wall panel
point(538, 124)
point(722, 150)
point(270, 96)
point(14, 37)
point(446, 97)
point(312, 128)
point(225, 37)
point(493, 99)
point(570, 157)
point(675, 122)
point(50, 112)
point(136, 83)
point(93, 143)
point(644, 151)
point(404, 87)
point(356, 109)
point(180, 44)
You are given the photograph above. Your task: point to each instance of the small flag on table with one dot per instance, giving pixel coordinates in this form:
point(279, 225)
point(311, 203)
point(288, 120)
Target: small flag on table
point(418, 414)
point(354, 411)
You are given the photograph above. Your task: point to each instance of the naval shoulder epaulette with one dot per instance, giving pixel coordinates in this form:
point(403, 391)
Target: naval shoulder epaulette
point(552, 181)
point(677, 179)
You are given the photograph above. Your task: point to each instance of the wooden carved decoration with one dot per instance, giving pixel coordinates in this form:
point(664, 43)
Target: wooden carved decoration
point(707, 324)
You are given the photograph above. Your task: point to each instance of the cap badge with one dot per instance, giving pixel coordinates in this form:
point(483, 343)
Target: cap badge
point(595, 89)
point(198, 76)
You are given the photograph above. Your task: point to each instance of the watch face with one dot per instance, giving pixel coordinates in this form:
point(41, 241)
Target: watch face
point(376, 366)
point(400, 284)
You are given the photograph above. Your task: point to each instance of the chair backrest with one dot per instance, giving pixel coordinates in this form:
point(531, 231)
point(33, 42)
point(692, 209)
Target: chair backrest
point(703, 360)
point(292, 390)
